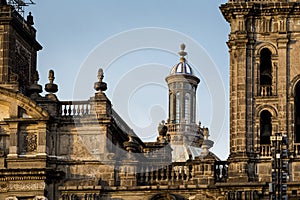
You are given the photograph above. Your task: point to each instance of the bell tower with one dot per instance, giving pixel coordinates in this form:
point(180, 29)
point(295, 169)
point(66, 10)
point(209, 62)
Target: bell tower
point(18, 49)
point(264, 44)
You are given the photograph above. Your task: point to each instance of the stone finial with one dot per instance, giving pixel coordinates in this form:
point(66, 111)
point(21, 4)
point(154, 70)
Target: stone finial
point(30, 19)
point(205, 133)
point(131, 145)
point(162, 129)
point(34, 89)
point(51, 87)
point(207, 143)
point(100, 75)
point(199, 127)
point(100, 86)
point(35, 77)
point(182, 53)
point(51, 76)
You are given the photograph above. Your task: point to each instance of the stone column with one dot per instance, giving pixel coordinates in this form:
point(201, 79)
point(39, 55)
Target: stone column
point(13, 144)
point(42, 138)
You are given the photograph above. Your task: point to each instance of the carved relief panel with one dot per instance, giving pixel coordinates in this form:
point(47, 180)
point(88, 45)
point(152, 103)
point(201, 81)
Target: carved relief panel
point(27, 140)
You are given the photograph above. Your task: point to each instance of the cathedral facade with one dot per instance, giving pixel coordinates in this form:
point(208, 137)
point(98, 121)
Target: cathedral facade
point(83, 150)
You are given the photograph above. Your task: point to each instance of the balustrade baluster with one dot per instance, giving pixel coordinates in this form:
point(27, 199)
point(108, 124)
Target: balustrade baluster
point(157, 174)
point(73, 112)
point(172, 172)
point(152, 175)
point(147, 176)
point(165, 170)
point(82, 109)
point(65, 110)
point(176, 173)
point(75, 108)
point(69, 110)
point(185, 173)
point(167, 173)
point(78, 110)
point(190, 171)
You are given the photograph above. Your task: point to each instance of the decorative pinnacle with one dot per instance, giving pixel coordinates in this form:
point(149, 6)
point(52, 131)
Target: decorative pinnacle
point(182, 53)
point(34, 89)
point(51, 76)
point(100, 75)
point(30, 19)
point(36, 77)
point(100, 86)
point(51, 87)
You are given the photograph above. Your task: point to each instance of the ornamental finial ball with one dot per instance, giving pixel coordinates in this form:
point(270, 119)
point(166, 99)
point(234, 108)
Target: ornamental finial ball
point(182, 53)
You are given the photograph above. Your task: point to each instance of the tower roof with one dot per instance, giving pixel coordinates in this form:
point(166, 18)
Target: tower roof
point(182, 67)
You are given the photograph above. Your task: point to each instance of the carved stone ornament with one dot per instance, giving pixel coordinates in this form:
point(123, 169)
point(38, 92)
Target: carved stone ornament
point(40, 198)
point(11, 198)
point(29, 142)
point(27, 186)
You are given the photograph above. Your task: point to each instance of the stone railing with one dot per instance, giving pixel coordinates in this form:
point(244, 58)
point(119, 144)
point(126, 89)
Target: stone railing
point(82, 108)
point(265, 90)
point(182, 127)
point(75, 108)
point(80, 196)
point(265, 150)
point(221, 171)
point(297, 149)
point(170, 174)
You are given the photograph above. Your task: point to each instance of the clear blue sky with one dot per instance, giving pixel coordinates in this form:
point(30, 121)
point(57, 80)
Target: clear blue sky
point(73, 32)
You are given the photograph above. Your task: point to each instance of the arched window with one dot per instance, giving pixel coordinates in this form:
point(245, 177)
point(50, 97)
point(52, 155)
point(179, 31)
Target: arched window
point(265, 127)
point(297, 113)
point(187, 108)
point(177, 116)
point(172, 107)
point(265, 70)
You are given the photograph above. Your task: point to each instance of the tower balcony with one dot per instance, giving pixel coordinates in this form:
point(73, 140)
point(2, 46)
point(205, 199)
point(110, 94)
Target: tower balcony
point(265, 90)
point(182, 127)
point(265, 150)
point(297, 149)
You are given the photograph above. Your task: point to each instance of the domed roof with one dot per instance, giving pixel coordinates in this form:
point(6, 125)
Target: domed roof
point(182, 67)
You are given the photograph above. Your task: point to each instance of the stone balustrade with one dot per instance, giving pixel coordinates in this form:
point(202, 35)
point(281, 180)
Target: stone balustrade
point(182, 127)
point(265, 150)
point(221, 171)
point(297, 149)
point(170, 174)
point(265, 90)
point(75, 108)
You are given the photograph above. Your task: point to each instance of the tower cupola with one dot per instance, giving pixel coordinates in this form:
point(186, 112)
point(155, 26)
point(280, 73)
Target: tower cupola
point(182, 85)
point(185, 139)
